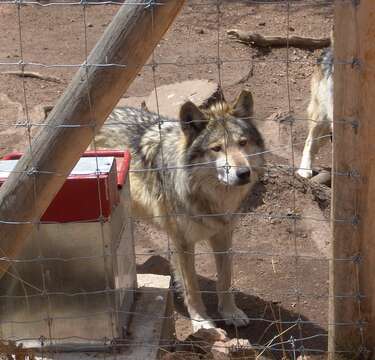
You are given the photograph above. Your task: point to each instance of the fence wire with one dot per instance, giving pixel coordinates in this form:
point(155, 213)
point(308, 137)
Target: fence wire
point(275, 331)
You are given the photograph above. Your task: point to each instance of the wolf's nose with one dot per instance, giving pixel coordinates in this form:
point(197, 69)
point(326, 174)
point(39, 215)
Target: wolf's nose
point(243, 173)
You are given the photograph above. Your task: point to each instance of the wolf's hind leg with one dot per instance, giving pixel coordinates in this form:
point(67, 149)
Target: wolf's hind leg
point(185, 263)
point(319, 133)
point(221, 245)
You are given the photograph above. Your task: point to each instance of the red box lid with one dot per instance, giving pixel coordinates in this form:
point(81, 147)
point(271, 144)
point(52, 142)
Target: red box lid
point(87, 195)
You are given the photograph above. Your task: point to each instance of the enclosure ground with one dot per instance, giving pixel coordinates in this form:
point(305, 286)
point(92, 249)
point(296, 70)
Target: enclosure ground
point(273, 284)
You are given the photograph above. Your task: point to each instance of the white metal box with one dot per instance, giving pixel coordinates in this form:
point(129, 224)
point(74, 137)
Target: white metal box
point(74, 282)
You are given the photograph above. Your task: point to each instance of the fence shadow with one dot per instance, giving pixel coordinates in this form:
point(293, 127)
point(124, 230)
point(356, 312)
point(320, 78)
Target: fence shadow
point(264, 328)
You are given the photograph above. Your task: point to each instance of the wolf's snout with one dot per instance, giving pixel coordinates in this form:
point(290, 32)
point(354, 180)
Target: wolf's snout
point(243, 173)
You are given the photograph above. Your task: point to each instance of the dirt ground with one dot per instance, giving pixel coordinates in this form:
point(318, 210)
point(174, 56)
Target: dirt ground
point(281, 273)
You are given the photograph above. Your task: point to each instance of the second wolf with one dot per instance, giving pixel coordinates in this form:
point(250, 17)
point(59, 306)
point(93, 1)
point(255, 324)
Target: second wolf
point(320, 111)
point(190, 176)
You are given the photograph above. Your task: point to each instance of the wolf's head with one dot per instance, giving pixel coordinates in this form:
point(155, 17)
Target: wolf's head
point(224, 137)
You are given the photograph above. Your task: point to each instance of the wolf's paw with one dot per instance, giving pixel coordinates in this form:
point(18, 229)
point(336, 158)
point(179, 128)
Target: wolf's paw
point(202, 324)
point(305, 173)
point(235, 317)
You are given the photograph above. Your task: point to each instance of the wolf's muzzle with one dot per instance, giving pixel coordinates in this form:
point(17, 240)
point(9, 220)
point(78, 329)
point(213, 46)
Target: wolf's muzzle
point(243, 175)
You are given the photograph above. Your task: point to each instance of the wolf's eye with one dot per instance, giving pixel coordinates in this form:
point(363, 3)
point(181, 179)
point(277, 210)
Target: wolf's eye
point(216, 148)
point(242, 142)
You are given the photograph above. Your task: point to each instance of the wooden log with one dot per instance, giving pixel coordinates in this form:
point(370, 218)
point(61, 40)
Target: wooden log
point(32, 75)
point(257, 40)
point(352, 286)
point(94, 91)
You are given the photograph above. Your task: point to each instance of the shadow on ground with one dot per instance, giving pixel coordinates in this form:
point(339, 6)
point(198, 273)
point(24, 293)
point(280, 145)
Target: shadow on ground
point(269, 320)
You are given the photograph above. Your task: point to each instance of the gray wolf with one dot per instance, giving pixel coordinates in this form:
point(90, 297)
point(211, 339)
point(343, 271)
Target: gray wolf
point(320, 111)
point(189, 176)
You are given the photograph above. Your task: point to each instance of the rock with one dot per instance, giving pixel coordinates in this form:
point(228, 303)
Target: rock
point(183, 355)
point(172, 96)
point(324, 177)
point(220, 351)
point(281, 117)
point(234, 349)
point(210, 335)
point(154, 265)
point(133, 101)
point(201, 342)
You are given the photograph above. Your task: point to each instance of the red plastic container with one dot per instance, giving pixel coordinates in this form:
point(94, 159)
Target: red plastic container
point(90, 196)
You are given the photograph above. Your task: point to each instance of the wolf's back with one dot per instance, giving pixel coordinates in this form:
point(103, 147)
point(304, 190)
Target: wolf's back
point(325, 62)
point(150, 138)
point(125, 127)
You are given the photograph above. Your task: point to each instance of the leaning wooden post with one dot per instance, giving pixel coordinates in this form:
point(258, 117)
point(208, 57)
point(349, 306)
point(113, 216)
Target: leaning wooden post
point(352, 290)
point(129, 41)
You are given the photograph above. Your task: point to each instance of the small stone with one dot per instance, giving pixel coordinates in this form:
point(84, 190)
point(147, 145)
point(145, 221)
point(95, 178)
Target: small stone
point(233, 349)
point(280, 116)
point(220, 351)
point(214, 335)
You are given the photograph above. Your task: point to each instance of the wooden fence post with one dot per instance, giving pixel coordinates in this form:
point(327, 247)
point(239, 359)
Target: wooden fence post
point(129, 40)
point(352, 289)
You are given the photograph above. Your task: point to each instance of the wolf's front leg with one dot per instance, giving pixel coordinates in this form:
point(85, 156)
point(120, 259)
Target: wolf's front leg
point(185, 263)
point(318, 135)
point(232, 315)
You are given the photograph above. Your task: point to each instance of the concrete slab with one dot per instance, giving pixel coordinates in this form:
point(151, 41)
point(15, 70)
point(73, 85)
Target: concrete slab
point(152, 324)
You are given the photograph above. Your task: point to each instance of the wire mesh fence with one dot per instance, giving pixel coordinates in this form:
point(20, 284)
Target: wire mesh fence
point(79, 296)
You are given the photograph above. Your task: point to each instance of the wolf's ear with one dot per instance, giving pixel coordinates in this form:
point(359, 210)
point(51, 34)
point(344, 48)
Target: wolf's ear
point(193, 121)
point(244, 105)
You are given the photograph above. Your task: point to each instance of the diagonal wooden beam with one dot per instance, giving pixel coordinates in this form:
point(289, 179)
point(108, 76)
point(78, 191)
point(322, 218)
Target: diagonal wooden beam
point(92, 94)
